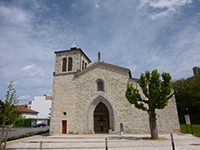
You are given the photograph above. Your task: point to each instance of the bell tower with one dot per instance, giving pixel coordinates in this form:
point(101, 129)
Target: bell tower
point(71, 61)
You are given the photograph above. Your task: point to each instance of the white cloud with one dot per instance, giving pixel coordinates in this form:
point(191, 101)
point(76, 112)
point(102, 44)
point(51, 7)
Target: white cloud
point(166, 7)
point(170, 4)
point(142, 3)
point(14, 17)
point(29, 67)
point(97, 4)
point(24, 98)
point(33, 71)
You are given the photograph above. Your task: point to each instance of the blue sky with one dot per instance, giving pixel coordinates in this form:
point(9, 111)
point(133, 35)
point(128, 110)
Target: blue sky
point(137, 34)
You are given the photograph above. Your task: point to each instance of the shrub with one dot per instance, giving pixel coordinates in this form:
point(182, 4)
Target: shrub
point(27, 122)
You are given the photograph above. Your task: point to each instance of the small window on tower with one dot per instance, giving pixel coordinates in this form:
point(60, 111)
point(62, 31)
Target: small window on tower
point(85, 65)
point(64, 65)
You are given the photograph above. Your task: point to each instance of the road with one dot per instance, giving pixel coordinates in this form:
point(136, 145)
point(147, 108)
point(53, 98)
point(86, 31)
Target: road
point(20, 131)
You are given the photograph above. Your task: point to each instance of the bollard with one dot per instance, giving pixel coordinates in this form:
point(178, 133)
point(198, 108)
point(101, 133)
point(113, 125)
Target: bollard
point(173, 147)
point(121, 129)
point(40, 145)
point(191, 129)
point(106, 143)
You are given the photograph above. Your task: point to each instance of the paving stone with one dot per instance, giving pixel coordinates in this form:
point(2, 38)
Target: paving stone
point(97, 142)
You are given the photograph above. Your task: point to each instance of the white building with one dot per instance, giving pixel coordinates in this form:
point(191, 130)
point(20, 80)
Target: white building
point(42, 104)
point(26, 112)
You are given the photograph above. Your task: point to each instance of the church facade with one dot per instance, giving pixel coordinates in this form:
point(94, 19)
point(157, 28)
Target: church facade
point(90, 99)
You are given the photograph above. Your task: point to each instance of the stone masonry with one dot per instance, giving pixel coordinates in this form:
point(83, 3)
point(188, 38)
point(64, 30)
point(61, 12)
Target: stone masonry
point(75, 97)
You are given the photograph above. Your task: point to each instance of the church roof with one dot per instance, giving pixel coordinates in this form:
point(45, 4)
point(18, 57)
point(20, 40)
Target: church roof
point(24, 108)
point(105, 64)
point(73, 49)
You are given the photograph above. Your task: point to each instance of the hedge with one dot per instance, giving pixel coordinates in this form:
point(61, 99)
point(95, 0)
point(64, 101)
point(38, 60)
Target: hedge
point(27, 122)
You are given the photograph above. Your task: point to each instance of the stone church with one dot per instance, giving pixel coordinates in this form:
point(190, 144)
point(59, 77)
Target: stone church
point(90, 99)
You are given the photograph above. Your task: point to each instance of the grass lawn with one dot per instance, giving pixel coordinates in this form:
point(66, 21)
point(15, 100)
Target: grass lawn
point(196, 129)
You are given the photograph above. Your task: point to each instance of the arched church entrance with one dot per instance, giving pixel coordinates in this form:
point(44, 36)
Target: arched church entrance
point(98, 110)
point(101, 119)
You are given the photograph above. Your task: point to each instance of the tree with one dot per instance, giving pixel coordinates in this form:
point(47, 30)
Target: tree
point(188, 96)
point(157, 94)
point(7, 109)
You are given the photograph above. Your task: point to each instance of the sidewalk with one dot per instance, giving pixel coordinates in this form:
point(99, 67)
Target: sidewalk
point(20, 131)
point(97, 142)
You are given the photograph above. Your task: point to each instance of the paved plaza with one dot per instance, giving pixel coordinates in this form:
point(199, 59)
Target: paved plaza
point(114, 142)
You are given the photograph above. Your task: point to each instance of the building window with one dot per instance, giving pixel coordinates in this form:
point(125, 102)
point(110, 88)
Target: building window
point(70, 64)
point(64, 64)
point(83, 65)
point(100, 86)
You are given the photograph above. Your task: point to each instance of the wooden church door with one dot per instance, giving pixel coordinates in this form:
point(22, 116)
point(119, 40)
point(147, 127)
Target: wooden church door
point(64, 126)
point(101, 119)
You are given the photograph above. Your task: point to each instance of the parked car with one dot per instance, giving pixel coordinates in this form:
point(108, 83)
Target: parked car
point(40, 125)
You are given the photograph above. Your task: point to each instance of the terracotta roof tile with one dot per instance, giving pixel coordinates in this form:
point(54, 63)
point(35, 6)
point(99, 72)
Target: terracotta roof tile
point(48, 98)
point(24, 109)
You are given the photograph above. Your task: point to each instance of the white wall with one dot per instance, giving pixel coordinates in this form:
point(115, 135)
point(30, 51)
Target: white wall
point(41, 105)
point(29, 115)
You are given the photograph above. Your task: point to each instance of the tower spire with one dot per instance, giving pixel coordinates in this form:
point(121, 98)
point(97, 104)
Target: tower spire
point(74, 44)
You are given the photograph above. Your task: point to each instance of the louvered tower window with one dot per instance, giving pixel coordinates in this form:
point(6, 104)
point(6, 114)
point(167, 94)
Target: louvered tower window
point(70, 64)
point(64, 64)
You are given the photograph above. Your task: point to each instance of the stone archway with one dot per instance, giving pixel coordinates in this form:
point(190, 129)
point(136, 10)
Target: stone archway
point(90, 113)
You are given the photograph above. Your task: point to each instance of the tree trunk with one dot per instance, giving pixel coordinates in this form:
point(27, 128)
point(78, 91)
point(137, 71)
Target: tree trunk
point(6, 137)
point(2, 131)
point(153, 127)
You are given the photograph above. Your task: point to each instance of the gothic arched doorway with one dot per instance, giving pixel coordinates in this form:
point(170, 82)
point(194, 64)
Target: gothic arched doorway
point(101, 118)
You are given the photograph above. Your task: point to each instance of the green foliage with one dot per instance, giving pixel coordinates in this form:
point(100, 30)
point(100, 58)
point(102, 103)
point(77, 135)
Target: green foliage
point(27, 122)
point(21, 136)
point(188, 96)
point(7, 110)
point(156, 91)
point(23, 122)
point(134, 97)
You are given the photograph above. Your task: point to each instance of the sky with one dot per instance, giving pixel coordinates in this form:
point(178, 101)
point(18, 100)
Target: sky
point(136, 34)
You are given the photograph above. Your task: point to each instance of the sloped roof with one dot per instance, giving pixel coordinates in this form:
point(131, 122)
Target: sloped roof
point(23, 108)
point(104, 64)
point(73, 49)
